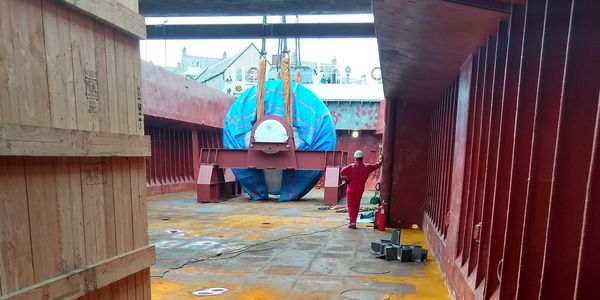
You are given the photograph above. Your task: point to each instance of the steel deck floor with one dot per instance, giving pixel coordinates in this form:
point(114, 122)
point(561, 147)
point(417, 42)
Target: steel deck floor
point(322, 259)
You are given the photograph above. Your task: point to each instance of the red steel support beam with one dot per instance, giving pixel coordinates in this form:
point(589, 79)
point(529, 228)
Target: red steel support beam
point(577, 133)
point(305, 160)
point(460, 167)
point(334, 188)
point(505, 147)
point(528, 78)
point(586, 282)
point(476, 102)
point(451, 141)
point(409, 175)
point(195, 154)
point(436, 166)
point(543, 147)
point(214, 180)
point(486, 98)
point(469, 129)
point(493, 130)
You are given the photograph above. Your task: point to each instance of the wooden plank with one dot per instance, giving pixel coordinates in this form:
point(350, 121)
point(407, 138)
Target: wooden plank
point(9, 103)
point(22, 76)
point(30, 62)
point(139, 285)
point(91, 76)
point(114, 290)
point(124, 200)
point(99, 205)
point(121, 63)
point(77, 211)
point(93, 210)
point(84, 71)
point(124, 265)
point(131, 287)
point(57, 34)
point(65, 213)
point(84, 280)
point(113, 13)
point(138, 221)
point(104, 293)
point(109, 208)
point(25, 140)
point(37, 68)
point(143, 201)
point(111, 83)
point(131, 98)
point(137, 75)
point(131, 4)
point(78, 47)
point(109, 144)
point(122, 291)
point(146, 276)
point(16, 267)
point(118, 189)
point(95, 295)
point(43, 215)
point(101, 67)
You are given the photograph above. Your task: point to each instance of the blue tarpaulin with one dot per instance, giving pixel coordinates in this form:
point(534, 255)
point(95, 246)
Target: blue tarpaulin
point(312, 123)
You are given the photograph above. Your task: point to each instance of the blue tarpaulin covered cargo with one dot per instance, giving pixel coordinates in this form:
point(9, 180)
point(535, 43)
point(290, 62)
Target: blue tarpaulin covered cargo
point(313, 130)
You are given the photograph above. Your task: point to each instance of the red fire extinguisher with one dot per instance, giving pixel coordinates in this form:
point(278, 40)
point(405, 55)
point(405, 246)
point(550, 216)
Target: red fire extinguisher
point(380, 217)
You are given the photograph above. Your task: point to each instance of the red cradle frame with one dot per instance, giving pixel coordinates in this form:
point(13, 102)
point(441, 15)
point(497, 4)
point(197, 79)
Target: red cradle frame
point(216, 180)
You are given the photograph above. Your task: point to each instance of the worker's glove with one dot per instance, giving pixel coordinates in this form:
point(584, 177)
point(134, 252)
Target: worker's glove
point(380, 157)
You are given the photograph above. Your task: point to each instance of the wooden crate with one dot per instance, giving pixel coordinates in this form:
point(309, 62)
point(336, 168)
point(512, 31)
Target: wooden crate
point(73, 219)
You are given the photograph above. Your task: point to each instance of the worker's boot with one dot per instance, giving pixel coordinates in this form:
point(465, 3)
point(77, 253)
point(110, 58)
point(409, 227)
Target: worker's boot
point(352, 225)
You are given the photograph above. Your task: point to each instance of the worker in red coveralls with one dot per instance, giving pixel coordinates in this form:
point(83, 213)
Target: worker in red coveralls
point(356, 175)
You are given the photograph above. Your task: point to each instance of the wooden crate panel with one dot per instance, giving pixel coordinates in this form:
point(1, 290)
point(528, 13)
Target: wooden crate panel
point(72, 186)
point(130, 288)
point(61, 214)
point(16, 262)
point(60, 68)
point(28, 140)
point(88, 280)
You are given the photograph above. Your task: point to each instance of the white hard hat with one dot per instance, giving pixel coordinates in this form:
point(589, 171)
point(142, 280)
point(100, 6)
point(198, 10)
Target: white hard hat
point(358, 154)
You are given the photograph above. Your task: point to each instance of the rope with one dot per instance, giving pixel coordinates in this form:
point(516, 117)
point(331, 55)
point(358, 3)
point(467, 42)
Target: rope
point(287, 100)
point(298, 77)
point(260, 89)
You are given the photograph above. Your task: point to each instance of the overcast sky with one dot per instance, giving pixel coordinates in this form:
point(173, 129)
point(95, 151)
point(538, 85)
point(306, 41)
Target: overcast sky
point(360, 54)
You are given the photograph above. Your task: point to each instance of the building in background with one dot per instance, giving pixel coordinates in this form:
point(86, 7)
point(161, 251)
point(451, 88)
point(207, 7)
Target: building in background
point(192, 66)
point(231, 75)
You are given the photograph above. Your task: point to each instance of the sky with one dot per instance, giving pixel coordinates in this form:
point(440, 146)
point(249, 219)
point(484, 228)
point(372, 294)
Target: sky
point(359, 53)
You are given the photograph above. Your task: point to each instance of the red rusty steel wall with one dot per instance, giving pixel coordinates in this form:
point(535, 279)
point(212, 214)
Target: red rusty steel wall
point(513, 184)
point(405, 163)
point(171, 96)
point(439, 164)
point(355, 115)
point(171, 166)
